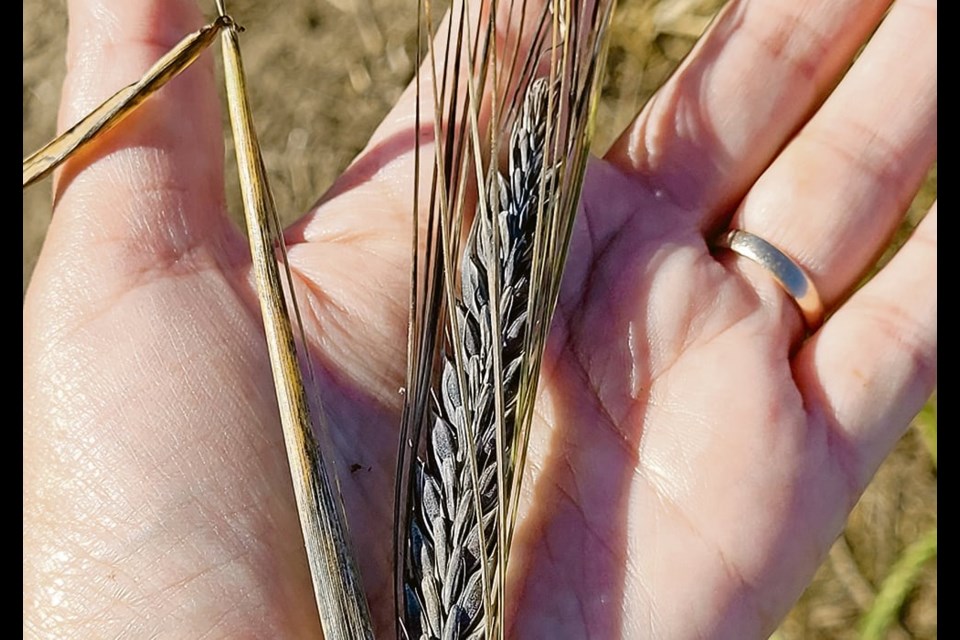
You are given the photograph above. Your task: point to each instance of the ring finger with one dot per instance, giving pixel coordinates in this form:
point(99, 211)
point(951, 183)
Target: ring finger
point(834, 196)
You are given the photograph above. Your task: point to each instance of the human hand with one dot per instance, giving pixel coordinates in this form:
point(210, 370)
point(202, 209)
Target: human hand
point(693, 457)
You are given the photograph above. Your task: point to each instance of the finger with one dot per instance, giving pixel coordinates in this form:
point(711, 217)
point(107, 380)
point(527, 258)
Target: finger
point(835, 195)
point(874, 363)
point(750, 83)
point(154, 183)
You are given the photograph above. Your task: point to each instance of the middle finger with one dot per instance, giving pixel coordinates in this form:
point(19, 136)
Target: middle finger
point(753, 79)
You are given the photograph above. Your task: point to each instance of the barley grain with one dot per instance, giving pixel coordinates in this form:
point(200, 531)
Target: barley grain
point(479, 321)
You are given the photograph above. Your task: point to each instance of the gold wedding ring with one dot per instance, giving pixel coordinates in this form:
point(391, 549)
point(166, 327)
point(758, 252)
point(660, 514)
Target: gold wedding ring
point(784, 270)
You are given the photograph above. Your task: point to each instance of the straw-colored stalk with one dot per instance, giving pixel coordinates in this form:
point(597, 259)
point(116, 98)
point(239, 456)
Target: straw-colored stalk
point(337, 585)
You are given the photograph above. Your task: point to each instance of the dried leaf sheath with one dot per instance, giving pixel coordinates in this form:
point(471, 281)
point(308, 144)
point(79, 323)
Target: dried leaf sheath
point(341, 601)
point(473, 371)
point(111, 112)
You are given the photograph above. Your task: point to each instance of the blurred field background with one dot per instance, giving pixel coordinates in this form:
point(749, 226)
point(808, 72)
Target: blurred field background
point(322, 75)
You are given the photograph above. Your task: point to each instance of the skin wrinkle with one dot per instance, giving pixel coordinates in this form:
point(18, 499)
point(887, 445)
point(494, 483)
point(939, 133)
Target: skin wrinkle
point(206, 448)
point(589, 527)
point(169, 593)
point(670, 507)
point(81, 559)
point(806, 67)
point(130, 151)
point(755, 284)
point(928, 7)
point(321, 304)
point(565, 466)
point(325, 365)
point(92, 490)
point(571, 467)
point(577, 310)
point(887, 318)
point(879, 166)
point(645, 140)
point(578, 360)
point(852, 472)
point(665, 365)
point(648, 626)
point(147, 278)
point(214, 627)
point(658, 360)
point(173, 241)
point(143, 457)
point(596, 263)
point(67, 334)
point(744, 590)
point(704, 306)
point(175, 548)
point(630, 450)
point(114, 40)
point(556, 557)
point(220, 565)
point(671, 120)
point(834, 447)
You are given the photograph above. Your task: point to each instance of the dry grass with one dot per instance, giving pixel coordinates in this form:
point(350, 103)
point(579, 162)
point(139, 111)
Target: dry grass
point(319, 86)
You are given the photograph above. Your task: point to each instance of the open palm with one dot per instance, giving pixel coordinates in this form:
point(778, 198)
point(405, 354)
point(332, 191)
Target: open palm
point(693, 457)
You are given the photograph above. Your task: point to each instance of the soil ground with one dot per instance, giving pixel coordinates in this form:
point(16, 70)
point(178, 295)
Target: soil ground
point(323, 73)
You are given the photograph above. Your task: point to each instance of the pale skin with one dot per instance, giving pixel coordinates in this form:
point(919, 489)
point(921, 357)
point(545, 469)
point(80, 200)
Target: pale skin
point(693, 457)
